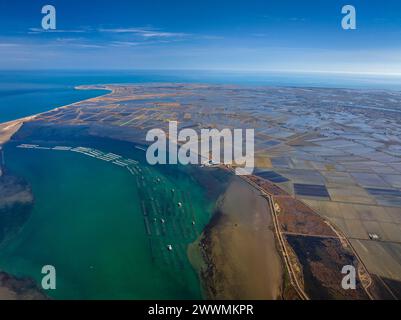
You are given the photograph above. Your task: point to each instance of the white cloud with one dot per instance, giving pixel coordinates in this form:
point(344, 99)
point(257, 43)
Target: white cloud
point(144, 32)
point(125, 43)
point(40, 30)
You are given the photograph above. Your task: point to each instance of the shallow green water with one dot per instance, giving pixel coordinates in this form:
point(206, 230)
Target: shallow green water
point(88, 222)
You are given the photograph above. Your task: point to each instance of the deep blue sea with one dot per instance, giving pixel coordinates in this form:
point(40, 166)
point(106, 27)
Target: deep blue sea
point(24, 93)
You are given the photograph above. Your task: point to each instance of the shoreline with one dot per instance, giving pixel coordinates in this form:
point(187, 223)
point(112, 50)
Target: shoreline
point(9, 128)
point(8, 282)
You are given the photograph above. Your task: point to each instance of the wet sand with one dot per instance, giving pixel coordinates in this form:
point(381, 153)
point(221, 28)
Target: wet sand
point(239, 248)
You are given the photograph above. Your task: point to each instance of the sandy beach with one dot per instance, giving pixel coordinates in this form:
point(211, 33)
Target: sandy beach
point(239, 248)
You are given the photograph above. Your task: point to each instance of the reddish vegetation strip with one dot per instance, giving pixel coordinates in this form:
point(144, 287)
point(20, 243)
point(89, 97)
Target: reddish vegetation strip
point(296, 217)
point(293, 215)
point(317, 252)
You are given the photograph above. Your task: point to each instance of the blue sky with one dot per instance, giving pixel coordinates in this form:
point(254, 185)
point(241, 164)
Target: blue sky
point(251, 35)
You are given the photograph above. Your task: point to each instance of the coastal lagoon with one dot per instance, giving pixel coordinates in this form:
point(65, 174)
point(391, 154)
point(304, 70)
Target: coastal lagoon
point(88, 222)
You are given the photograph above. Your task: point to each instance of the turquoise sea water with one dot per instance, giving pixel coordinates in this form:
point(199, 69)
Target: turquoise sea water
point(88, 222)
point(24, 94)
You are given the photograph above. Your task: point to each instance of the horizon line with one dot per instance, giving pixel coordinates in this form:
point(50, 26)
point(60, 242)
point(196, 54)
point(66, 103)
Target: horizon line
point(266, 71)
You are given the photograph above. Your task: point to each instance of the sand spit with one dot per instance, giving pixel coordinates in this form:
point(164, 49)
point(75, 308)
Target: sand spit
point(238, 246)
point(7, 129)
